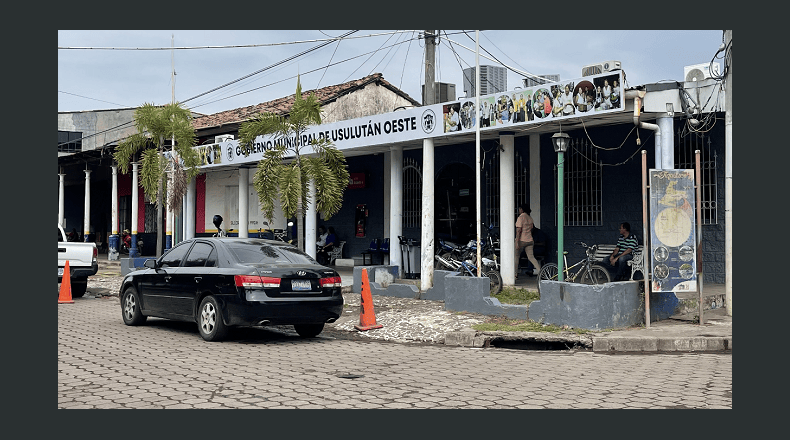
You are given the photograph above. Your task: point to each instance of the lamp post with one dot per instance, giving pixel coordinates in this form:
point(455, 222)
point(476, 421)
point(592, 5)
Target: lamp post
point(560, 141)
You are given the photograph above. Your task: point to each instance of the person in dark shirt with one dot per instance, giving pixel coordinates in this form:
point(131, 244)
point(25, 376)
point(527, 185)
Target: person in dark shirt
point(623, 251)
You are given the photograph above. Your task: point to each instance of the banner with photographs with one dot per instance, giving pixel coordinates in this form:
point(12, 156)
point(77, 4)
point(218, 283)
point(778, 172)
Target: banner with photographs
point(673, 242)
point(565, 99)
point(585, 96)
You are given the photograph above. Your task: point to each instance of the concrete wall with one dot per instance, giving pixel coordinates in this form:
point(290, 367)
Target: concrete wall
point(101, 123)
point(611, 305)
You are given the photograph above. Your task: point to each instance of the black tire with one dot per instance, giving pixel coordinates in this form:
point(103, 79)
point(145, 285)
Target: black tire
point(308, 330)
point(597, 275)
point(130, 307)
point(496, 281)
point(549, 272)
point(209, 319)
point(78, 288)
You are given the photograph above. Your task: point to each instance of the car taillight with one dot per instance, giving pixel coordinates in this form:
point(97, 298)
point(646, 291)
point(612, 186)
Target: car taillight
point(331, 282)
point(254, 281)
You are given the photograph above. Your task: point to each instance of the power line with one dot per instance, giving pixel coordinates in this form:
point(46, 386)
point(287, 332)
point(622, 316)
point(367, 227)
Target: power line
point(273, 65)
point(86, 97)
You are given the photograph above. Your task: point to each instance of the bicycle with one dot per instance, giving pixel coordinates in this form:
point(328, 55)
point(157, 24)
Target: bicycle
point(587, 272)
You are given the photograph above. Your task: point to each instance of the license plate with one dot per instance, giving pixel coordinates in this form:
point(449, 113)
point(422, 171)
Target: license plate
point(60, 271)
point(301, 285)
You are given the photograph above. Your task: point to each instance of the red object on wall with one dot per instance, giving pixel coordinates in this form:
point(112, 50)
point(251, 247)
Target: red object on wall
point(200, 204)
point(356, 180)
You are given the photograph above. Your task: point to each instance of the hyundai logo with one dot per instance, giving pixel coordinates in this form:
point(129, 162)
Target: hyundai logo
point(301, 273)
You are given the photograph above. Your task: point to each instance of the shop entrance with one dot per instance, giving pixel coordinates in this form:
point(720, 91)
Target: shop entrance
point(454, 200)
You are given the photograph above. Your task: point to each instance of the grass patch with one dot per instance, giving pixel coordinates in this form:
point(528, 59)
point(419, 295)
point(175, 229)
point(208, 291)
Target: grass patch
point(520, 296)
point(503, 324)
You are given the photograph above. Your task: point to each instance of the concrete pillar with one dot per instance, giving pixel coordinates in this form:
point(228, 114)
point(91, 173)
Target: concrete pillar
point(87, 216)
point(507, 208)
point(244, 201)
point(310, 225)
point(114, 239)
point(133, 252)
point(189, 210)
point(665, 124)
point(387, 192)
point(61, 200)
point(426, 241)
point(396, 207)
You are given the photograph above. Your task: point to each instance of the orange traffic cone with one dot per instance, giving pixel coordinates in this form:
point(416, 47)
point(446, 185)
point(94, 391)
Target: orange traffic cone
point(367, 318)
point(65, 286)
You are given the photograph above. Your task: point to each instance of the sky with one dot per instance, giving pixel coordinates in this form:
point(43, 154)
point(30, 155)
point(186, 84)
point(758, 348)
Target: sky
point(107, 69)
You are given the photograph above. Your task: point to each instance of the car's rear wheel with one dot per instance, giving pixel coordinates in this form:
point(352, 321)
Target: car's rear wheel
point(130, 307)
point(210, 320)
point(308, 330)
point(78, 288)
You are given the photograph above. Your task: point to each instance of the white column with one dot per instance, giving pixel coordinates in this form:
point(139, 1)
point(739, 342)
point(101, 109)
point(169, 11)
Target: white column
point(665, 124)
point(133, 252)
point(534, 178)
point(61, 199)
point(189, 210)
point(112, 253)
point(87, 218)
point(387, 192)
point(396, 207)
point(507, 210)
point(244, 201)
point(426, 241)
point(310, 225)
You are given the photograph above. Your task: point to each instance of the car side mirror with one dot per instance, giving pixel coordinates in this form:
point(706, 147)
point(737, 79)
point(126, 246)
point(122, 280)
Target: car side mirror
point(150, 263)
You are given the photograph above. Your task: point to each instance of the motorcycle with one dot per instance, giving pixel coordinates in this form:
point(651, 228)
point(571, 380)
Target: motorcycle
point(126, 243)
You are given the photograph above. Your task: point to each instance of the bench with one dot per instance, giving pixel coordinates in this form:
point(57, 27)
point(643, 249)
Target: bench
point(637, 263)
point(377, 247)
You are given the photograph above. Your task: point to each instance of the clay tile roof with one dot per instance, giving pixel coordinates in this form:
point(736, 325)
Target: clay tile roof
point(283, 105)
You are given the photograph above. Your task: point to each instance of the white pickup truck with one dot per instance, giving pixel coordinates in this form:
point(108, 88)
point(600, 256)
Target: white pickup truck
point(83, 262)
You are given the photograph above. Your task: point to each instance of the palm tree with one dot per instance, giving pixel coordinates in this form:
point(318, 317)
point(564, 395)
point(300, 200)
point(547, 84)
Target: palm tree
point(155, 124)
point(327, 168)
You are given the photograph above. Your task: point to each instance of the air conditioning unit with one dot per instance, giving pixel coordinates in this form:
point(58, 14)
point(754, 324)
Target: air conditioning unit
point(595, 69)
point(223, 138)
point(698, 72)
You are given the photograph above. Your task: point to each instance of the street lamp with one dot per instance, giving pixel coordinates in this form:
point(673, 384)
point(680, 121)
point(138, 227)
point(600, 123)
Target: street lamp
point(560, 141)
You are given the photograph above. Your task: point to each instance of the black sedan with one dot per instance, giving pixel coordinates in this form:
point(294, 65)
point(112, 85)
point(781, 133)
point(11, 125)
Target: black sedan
point(223, 282)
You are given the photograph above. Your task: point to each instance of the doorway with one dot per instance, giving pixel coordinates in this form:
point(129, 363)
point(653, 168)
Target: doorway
point(455, 203)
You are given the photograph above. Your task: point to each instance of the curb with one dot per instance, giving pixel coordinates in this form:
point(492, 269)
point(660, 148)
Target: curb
point(598, 344)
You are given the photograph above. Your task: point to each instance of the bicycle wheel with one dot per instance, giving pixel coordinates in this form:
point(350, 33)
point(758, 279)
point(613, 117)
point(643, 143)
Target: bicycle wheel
point(549, 272)
point(597, 275)
point(496, 281)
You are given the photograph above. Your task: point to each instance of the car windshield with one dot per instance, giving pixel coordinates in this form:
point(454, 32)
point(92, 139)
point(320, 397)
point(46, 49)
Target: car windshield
point(267, 254)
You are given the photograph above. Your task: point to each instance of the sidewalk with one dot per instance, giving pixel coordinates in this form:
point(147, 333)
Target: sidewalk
point(413, 320)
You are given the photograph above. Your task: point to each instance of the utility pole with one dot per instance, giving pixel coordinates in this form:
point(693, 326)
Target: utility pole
point(430, 64)
point(428, 227)
point(728, 170)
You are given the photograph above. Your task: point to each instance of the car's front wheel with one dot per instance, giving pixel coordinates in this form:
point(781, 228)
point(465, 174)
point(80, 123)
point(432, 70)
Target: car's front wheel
point(130, 307)
point(210, 320)
point(308, 330)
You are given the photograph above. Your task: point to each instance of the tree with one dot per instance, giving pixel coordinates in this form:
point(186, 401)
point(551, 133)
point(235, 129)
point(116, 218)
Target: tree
point(291, 178)
point(154, 125)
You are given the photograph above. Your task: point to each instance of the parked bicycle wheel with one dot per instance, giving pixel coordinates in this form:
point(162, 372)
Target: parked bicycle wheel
point(549, 272)
point(496, 281)
point(596, 275)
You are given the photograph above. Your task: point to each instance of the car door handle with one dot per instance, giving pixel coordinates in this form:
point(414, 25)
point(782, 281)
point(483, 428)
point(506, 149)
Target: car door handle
point(167, 279)
point(198, 279)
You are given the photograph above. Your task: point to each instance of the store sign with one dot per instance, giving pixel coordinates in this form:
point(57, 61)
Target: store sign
point(673, 242)
point(588, 96)
point(356, 180)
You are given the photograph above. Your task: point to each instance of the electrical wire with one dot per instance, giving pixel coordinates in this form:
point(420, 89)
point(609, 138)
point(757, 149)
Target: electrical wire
point(86, 97)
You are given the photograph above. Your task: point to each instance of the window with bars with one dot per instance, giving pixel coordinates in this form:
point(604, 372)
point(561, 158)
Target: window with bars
point(69, 141)
point(582, 171)
point(412, 193)
point(685, 158)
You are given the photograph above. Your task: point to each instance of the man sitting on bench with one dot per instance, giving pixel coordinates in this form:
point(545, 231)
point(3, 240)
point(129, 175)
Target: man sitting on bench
point(623, 251)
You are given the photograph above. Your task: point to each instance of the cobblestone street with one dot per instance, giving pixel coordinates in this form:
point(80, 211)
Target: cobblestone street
point(104, 364)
